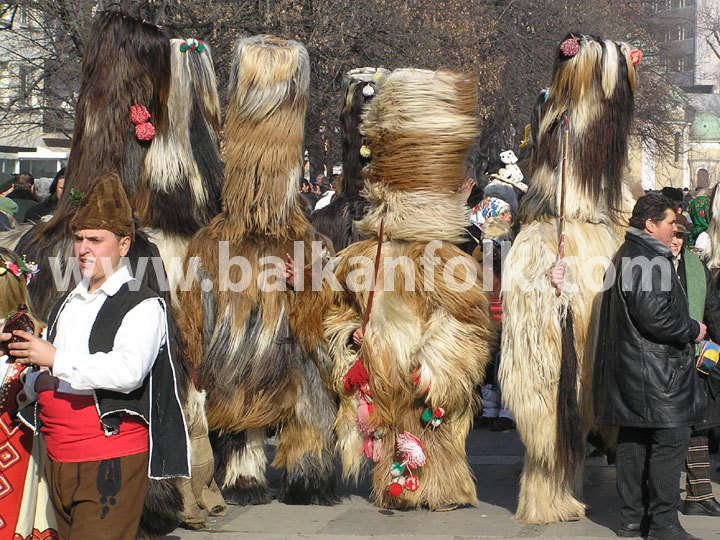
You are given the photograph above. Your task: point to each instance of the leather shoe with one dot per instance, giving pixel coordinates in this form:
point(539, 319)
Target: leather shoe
point(707, 507)
point(629, 530)
point(675, 532)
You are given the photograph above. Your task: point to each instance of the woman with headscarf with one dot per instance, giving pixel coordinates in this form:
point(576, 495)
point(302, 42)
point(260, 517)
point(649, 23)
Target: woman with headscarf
point(699, 210)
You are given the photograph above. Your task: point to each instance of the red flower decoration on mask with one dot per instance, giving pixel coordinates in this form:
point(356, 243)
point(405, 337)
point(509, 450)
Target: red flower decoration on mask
point(570, 47)
point(139, 114)
point(145, 132)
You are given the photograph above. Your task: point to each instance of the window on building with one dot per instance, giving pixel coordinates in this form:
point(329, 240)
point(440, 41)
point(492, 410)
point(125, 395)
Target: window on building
point(703, 179)
point(678, 145)
point(686, 62)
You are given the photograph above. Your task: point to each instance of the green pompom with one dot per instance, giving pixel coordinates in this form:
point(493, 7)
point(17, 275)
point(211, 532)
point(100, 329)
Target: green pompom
point(76, 196)
point(427, 415)
point(397, 469)
point(200, 47)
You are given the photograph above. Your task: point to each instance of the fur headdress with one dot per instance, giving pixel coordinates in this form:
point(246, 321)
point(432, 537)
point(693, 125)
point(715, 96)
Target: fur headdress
point(105, 206)
point(359, 86)
point(593, 86)
point(267, 99)
point(183, 176)
point(420, 126)
point(126, 63)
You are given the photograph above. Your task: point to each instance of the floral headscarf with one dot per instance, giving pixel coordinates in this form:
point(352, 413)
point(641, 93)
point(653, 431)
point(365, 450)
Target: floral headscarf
point(699, 210)
point(488, 208)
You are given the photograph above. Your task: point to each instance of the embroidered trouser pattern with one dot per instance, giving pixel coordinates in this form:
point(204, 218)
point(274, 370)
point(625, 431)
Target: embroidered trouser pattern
point(697, 483)
point(98, 499)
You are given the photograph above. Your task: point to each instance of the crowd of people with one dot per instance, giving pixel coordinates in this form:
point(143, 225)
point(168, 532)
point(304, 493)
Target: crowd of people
point(389, 380)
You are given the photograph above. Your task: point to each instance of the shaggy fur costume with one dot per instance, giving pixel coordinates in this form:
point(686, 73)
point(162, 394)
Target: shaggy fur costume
point(126, 62)
point(180, 190)
point(246, 346)
point(548, 341)
point(419, 126)
point(337, 219)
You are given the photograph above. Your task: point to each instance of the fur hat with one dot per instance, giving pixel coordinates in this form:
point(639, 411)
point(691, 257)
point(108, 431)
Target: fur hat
point(676, 194)
point(106, 207)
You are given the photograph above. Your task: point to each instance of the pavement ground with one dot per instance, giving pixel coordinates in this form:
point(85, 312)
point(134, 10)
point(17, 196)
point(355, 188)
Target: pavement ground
point(496, 460)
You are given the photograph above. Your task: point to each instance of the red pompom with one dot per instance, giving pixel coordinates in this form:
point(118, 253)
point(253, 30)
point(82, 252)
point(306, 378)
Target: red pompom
point(411, 482)
point(395, 489)
point(570, 47)
point(439, 412)
point(635, 56)
point(145, 132)
point(356, 377)
point(139, 114)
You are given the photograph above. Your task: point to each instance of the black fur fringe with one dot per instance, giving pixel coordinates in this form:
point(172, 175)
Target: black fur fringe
point(337, 220)
point(313, 481)
point(569, 442)
point(162, 509)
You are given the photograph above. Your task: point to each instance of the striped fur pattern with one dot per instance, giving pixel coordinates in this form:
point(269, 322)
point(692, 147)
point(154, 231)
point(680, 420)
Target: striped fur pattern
point(420, 126)
point(250, 348)
point(182, 180)
point(337, 220)
point(595, 90)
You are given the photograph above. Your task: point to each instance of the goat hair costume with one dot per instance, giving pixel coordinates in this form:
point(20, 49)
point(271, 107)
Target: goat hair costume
point(246, 333)
point(548, 341)
point(409, 404)
point(180, 189)
point(122, 112)
point(337, 219)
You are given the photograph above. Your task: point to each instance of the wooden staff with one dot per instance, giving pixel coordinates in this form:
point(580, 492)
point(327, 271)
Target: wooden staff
point(563, 192)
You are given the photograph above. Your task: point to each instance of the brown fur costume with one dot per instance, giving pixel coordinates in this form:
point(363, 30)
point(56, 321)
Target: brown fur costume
point(548, 341)
point(419, 126)
point(126, 62)
point(337, 219)
point(180, 189)
point(245, 346)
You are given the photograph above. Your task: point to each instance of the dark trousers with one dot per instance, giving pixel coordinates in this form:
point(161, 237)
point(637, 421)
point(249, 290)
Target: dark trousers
point(98, 499)
point(649, 462)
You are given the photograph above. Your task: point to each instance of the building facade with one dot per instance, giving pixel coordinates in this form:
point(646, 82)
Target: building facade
point(32, 139)
point(689, 32)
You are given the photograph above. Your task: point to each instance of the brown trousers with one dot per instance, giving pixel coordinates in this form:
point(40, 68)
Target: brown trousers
point(98, 499)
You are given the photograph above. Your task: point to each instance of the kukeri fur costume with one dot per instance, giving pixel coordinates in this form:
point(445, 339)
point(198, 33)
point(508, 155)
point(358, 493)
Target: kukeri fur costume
point(420, 127)
point(245, 343)
point(337, 219)
point(548, 341)
point(180, 189)
point(126, 62)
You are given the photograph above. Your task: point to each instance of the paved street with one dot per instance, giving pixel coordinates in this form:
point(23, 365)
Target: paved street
point(496, 459)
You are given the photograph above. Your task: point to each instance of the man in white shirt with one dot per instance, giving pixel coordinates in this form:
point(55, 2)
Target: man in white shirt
point(106, 375)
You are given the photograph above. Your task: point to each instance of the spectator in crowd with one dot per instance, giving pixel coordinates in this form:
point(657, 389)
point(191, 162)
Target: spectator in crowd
point(328, 192)
point(699, 211)
point(106, 422)
point(643, 372)
point(23, 194)
point(7, 205)
point(47, 207)
point(704, 304)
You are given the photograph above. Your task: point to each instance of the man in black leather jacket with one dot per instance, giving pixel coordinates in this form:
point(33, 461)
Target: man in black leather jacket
point(643, 379)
